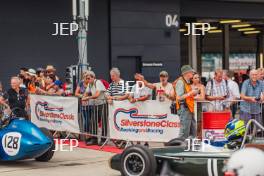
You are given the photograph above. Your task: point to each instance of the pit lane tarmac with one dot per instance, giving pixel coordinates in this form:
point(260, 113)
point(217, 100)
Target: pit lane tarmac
point(79, 162)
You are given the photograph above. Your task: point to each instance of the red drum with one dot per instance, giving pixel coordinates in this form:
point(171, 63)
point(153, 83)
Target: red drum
point(213, 125)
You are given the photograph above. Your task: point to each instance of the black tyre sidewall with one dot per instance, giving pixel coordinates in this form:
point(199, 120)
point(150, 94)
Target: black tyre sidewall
point(147, 155)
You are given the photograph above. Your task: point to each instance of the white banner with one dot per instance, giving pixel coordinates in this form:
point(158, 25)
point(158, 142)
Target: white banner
point(55, 112)
point(143, 121)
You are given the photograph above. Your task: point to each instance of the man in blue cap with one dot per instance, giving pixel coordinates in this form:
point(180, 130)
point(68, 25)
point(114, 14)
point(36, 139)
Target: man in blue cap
point(58, 88)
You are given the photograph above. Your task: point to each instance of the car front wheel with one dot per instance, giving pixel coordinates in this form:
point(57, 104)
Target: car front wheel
point(138, 161)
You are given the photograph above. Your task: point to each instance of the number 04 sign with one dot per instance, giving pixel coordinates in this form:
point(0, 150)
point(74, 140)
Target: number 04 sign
point(11, 143)
point(171, 20)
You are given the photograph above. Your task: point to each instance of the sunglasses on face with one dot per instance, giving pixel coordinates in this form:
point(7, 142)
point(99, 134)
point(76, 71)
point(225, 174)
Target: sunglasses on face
point(89, 78)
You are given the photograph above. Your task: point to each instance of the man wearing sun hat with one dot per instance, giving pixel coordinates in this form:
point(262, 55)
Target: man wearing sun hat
point(185, 101)
point(51, 70)
point(32, 84)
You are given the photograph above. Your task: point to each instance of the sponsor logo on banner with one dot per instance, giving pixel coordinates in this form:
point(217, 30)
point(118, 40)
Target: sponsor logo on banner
point(55, 112)
point(217, 135)
point(134, 122)
point(141, 122)
point(47, 113)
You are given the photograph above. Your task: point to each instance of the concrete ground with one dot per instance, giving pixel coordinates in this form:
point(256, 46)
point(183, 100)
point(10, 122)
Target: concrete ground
point(79, 162)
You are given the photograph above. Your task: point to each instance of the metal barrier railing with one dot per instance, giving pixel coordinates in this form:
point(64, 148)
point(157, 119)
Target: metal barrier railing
point(93, 120)
point(231, 106)
point(255, 133)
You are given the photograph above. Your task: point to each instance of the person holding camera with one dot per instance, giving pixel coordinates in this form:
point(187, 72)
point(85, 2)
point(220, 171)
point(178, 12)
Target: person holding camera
point(252, 94)
point(163, 90)
point(185, 101)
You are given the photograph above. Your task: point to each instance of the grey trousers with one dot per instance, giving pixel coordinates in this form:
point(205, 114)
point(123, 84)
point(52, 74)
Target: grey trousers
point(188, 123)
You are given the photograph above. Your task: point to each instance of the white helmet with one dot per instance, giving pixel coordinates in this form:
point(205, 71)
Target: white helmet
point(246, 162)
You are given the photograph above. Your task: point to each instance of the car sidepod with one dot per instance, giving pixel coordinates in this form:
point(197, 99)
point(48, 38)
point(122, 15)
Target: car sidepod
point(22, 140)
point(190, 163)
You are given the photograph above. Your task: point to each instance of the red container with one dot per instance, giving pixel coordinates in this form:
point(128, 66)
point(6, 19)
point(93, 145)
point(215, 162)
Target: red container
point(215, 120)
point(213, 125)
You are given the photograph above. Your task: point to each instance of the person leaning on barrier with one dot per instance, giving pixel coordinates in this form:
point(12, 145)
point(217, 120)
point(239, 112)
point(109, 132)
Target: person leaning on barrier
point(41, 77)
point(49, 83)
point(84, 108)
point(57, 89)
point(185, 102)
point(217, 92)
point(139, 92)
point(94, 93)
point(252, 94)
point(164, 89)
point(117, 89)
point(51, 70)
point(17, 98)
point(233, 90)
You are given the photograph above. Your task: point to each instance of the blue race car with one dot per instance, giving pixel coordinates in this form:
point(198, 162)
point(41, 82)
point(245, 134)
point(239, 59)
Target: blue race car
point(20, 139)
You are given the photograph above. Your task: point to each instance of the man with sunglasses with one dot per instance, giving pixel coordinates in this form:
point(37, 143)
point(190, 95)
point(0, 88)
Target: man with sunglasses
point(94, 94)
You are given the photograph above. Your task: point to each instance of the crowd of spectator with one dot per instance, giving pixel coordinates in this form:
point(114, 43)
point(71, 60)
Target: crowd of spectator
point(223, 92)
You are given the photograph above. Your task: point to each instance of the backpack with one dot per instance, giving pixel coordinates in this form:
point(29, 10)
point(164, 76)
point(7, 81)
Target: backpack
point(105, 83)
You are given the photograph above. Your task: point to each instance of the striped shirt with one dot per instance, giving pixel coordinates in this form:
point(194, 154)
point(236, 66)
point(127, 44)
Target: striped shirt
point(217, 89)
point(117, 89)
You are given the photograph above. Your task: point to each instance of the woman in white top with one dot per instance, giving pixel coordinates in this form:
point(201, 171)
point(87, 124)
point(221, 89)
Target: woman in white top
point(94, 93)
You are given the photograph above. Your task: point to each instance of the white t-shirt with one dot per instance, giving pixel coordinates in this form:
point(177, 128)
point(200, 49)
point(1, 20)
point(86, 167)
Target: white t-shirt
point(233, 90)
point(140, 92)
point(168, 89)
point(92, 88)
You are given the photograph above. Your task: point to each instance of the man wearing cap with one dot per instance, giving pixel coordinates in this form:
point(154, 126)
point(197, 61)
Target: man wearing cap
point(164, 89)
point(185, 101)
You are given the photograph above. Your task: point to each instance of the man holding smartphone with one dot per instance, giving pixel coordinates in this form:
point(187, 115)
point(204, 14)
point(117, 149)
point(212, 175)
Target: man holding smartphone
point(217, 92)
point(252, 94)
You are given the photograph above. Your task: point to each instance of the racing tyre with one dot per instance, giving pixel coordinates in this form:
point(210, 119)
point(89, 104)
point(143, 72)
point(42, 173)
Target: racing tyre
point(138, 160)
point(48, 154)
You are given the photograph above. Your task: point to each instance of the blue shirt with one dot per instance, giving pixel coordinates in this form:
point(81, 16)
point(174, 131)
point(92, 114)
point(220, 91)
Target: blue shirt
point(251, 91)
